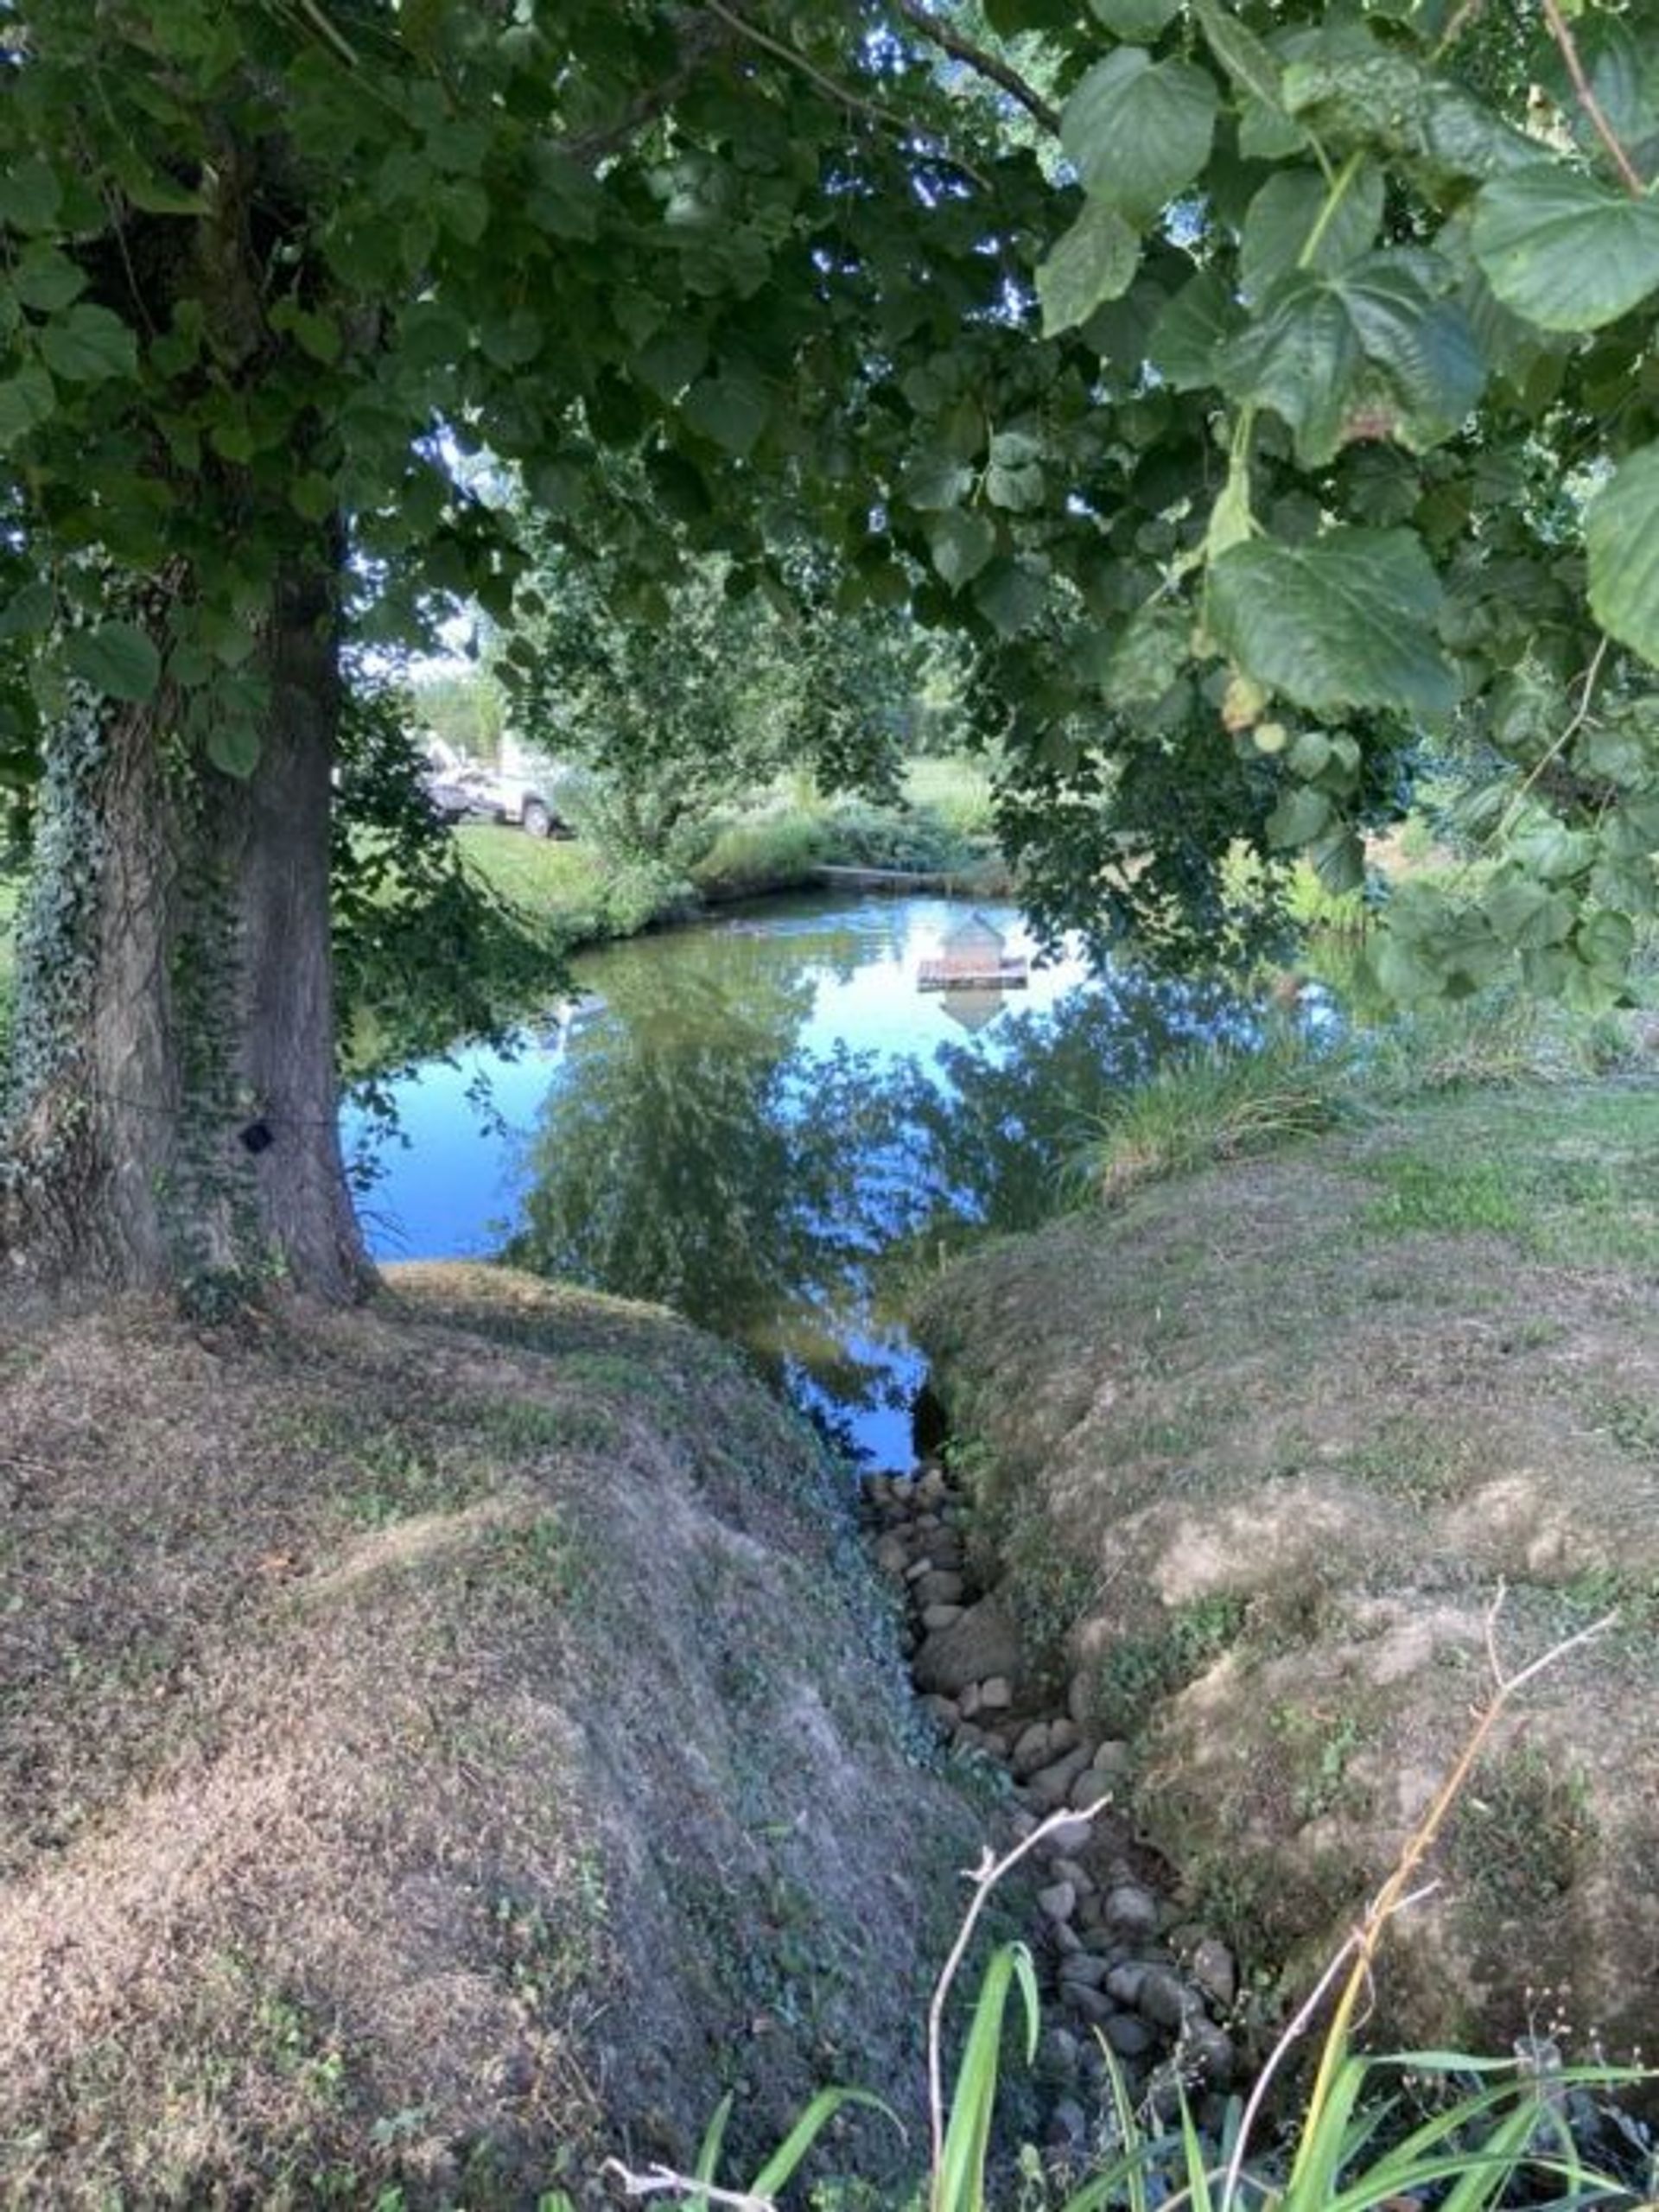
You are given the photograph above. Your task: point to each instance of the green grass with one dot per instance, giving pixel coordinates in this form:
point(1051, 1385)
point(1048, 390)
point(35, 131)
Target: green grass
point(944, 824)
point(552, 876)
point(1217, 1104)
point(1575, 1186)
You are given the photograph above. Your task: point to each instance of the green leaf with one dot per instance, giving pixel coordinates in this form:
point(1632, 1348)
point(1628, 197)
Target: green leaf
point(667, 363)
point(1011, 595)
point(1187, 336)
point(564, 200)
point(1135, 19)
point(961, 544)
point(26, 401)
point(781, 2166)
point(316, 335)
point(1525, 913)
point(512, 340)
point(1244, 57)
point(153, 193)
point(28, 612)
point(1624, 551)
point(233, 745)
point(89, 345)
point(1564, 252)
point(116, 658)
point(463, 208)
point(431, 335)
point(1345, 621)
point(30, 195)
point(1283, 218)
point(1096, 261)
point(1371, 351)
point(312, 496)
point(1301, 816)
point(730, 408)
point(932, 483)
point(48, 281)
point(1339, 859)
point(1021, 490)
point(960, 2182)
point(1138, 130)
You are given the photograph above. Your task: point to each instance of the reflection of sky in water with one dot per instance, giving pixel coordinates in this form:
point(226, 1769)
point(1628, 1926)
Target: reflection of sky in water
point(701, 1133)
point(454, 1188)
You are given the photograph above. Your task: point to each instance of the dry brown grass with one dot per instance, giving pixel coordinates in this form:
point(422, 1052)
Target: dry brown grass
point(435, 1747)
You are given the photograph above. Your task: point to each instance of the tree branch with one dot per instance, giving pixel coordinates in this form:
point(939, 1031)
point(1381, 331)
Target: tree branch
point(856, 103)
point(1560, 31)
point(976, 58)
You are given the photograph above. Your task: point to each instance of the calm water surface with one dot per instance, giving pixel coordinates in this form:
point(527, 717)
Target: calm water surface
point(762, 1122)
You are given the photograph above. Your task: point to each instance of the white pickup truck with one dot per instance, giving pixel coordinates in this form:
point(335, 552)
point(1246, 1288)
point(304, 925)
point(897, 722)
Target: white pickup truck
point(458, 786)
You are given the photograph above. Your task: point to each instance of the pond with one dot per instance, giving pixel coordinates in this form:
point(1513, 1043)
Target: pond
point(763, 1122)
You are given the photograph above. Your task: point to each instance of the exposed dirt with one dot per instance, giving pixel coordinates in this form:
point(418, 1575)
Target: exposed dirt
point(439, 1746)
point(1257, 1451)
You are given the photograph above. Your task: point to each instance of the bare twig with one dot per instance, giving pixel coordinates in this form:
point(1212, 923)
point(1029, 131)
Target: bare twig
point(1558, 745)
point(1291, 2035)
point(856, 103)
point(1397, 1894)
point(662, 2181)
point(826, 84)
point(985, 1878)
point(1561, 32)
point(700, 38)
point(1455, 29)
point(976, 58)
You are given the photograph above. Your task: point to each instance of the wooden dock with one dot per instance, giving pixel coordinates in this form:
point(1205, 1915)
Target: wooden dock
point(958, 974)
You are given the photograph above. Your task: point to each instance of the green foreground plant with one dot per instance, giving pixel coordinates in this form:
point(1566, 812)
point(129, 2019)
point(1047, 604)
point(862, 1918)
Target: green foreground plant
point(1350, 2147)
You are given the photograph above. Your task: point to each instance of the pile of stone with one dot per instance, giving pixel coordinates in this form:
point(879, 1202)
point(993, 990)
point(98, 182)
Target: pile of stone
point(1124, 1970)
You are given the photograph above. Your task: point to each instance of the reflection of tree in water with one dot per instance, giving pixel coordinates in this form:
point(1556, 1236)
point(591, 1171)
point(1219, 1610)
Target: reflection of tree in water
point(695, 1151)
point(692, 1154)
point(994, 1122)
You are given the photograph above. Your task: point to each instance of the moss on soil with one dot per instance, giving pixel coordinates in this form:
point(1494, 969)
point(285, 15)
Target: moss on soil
point(1258, 1447)
point(438, 1746)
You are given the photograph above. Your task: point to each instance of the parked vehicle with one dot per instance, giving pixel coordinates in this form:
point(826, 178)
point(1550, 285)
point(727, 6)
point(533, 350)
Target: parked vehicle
point(458, 787)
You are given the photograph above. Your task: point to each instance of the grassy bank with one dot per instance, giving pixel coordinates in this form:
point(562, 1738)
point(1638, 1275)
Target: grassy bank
point(1256, 1440)
point(941, 826)
point(438, 1745)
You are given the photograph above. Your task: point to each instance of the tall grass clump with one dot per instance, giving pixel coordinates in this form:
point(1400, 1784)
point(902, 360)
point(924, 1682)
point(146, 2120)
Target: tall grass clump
point(1225, 1101)
point(765, 850)
point(1414, 2129)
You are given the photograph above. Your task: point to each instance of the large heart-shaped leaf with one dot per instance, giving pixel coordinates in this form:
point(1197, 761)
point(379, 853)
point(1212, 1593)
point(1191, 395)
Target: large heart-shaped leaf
point(1373, 350)
point(1138, 130)
point(1345, 621)
point(1565, 253)
point(1623, 550)
point(961, 544)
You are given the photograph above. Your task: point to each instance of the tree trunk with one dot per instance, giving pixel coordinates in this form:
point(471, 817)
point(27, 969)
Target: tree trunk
point(175, 1094)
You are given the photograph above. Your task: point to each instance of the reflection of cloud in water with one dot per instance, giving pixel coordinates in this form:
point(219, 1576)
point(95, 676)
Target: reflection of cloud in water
point(763, 1119)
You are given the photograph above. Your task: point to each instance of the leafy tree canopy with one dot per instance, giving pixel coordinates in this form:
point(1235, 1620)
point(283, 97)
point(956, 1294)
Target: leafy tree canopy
point(1264, 388)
